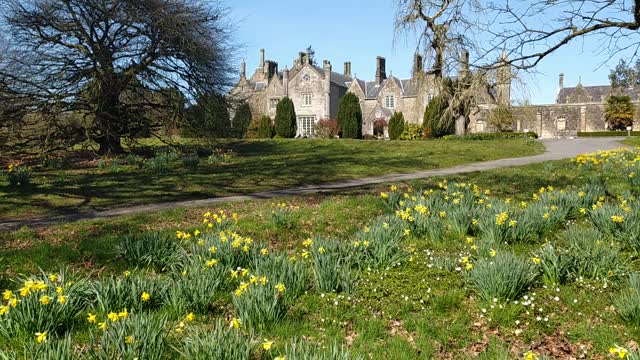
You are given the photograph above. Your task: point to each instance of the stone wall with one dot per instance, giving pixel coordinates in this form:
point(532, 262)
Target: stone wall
point(549, 121)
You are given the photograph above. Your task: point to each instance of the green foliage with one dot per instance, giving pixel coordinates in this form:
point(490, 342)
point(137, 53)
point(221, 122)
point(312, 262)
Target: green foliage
point(438, 122)
point(155, 250)
point(197, 286)
point(261, 304)
point(285, 120)
point(47, 302)
point(223, 343)
point(19, 175)
point(493, 136)
point(554, 264)
point(619, 112)
point(264, 129)
point(52, 349)
point(502, 118)
point(241, 120)
point(627, 302)
point(279, 269)
point(331, 266)
point(191, 161)
point(607, 133)
point(396, 126)
point(505, 276)
point(208, 118)
point(300, 349)
point(120, 292)
point(136, 336)
point(625, 75)
point(412, 132)
point(592, 255)
point(326, 129)
point(379, 246)
point(350, 117)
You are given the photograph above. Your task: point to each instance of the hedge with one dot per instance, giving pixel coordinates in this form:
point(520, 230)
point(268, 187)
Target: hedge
point(494, 136)
point(607, 133)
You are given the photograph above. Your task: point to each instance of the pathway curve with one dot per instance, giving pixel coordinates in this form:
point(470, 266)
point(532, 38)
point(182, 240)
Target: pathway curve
point(556, 149)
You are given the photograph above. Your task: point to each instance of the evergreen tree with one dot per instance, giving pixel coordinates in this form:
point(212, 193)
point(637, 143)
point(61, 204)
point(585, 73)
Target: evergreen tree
point(241, 120)
point(438, 122)
point(265, 128)
point(285, 121)
point(208, 118)
point(619, 112)
point(396, 126)
point(350, 117)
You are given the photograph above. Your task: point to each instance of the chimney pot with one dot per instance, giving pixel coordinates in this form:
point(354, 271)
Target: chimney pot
point(261, 58)
point(561, 81)
point(347, 68)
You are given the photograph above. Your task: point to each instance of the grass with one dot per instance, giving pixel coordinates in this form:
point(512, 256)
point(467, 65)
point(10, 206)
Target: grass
point(632, 141)
point(71, 185)
point(422, 309)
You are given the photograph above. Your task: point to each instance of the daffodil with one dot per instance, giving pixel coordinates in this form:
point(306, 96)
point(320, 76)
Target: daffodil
point(102, 326)
point(113, 316)
point(91, 318)
point(41, 337)
point(145, 296)
point(264, 251)
point(492, 253)
point(190, 317)
point(128, 339)
point(3, 309)
point(123, 314)
point(536, 260)
point(267, 344)
point(62, 299)
point(280, 287)
point(44, 300)
point(7, 294)
point(236, 323)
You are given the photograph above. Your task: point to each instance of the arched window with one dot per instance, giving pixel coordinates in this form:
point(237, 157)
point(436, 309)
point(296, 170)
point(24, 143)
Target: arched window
point(561, 124)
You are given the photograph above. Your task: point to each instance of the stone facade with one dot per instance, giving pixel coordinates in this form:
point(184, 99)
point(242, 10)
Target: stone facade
point(316, 91)
point(577, 109)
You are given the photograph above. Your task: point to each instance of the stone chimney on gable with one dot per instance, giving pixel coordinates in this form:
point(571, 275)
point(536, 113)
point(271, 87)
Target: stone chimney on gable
point(560, 82)
point(417, 64)
point(261, 58)
point(326, 66)
point(381, 70)
point(243, 70)
point(270, 69)
point(464, 64)
point(347, 68)
point(285, 81)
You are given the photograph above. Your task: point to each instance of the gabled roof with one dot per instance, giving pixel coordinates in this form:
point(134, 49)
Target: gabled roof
point(407, 87)
point(598, 93)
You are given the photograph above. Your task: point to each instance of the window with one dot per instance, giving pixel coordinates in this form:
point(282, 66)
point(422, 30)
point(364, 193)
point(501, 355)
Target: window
point(305, 125)
point(306, 99)
point(429, 98)
point(389, 101)
point(273, 103)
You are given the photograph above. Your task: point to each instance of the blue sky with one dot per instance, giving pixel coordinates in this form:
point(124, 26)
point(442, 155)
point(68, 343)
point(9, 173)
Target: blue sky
point(360, 30)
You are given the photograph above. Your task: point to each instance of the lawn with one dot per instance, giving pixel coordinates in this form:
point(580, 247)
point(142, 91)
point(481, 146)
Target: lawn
point(78, 182)
point(426, 293)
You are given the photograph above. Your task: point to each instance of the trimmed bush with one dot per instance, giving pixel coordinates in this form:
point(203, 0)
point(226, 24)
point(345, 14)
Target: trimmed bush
point(396, 126)
point(437, 121)
point(326, 129)
point(619, 112)
point(412, 132)
point(607, 133)
point(241, 120)
point(494, 136)
point(264, 129)
point(501, 118)
point(350, 117)
point(285, 120)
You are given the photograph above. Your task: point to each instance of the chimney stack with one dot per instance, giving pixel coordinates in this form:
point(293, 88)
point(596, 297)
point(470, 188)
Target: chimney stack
point(561, 81)
point(243, 70)
point(262, 58)
point(417, 64)
point(347, 68)
point(285, 81)
point(271, 69)
point(381, 73)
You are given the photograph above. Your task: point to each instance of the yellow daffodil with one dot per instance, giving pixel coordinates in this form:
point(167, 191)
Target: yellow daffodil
point(236, 323)
point(41, 337)
point(267, 344)
point(212, 263)
point(145, 296)
point(62, 299)
point(128, 339)
point(7, 294)
point(536, 260)
point(91, 318)
point(280, 287)
point(3, 309)
point(44, 300)
point(102, 326)
point(113, 316)
point(190, 317)
point(492, 253)
point(264, 251)
point(123, 314)
point(54, 278)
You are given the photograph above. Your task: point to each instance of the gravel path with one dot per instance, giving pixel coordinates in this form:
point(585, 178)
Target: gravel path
point(556, 149)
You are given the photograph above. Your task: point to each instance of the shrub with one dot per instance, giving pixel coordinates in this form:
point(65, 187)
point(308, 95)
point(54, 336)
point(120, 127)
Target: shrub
point(412, 132)
point(285, 120)
point(350, 117)
point(135, 160)
point(501, 118)
point(494, 136)
point(607, 133)
point(265, 128)
point(208, 118)
point(504, 276)
point(303, 350)
point(438, 122)
point(223, 343)
point(326, 129)
point(155, 250)
point(396, 126)
point(619, 112)
point(627, 302)
point(190, 161)
point(130, 336)
point(241, 120)
point(18, 175)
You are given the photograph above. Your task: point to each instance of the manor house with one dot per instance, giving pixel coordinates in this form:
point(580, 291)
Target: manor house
point(316, 91)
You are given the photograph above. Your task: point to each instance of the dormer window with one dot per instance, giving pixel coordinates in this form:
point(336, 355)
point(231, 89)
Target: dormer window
point(390, 102)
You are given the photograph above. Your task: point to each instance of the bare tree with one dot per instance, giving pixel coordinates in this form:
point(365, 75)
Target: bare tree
point(532, 30)
point(108, 70)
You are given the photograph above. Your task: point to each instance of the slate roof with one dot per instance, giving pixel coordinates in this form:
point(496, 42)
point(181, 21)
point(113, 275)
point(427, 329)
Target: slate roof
point(594, 93)
point(371, 90)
